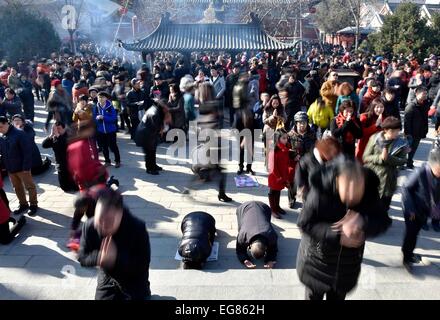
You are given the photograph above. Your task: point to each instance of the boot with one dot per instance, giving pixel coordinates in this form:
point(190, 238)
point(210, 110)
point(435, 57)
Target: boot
point(249, 169)
point(273, 206)
point(277, 202)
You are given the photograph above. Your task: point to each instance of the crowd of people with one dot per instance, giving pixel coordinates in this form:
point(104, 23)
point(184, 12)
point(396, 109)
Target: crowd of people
point(338, 145)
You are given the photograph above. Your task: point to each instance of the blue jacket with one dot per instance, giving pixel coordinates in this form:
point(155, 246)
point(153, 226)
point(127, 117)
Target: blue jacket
point(108, 124)
point(15, 148)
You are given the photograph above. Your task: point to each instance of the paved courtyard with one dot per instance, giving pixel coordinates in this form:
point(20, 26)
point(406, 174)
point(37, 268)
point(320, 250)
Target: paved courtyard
point(37, 265)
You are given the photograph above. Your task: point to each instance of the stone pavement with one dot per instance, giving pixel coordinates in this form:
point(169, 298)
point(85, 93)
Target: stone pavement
point(37, 265)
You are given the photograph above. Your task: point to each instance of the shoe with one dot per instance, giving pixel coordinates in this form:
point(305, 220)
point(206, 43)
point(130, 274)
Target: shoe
point(224, 198)
point(21, 209)
point(32, 211)
point(276, 215)
point(240, 171)
point(292, 204)
point(107, 164)
point(410, 166)
point(415, 259)
point(436, 227)
point(117, 165)
point(249, 170)
point(425, 226)
point(281, 211)
point(153, 172)
point(158, 168)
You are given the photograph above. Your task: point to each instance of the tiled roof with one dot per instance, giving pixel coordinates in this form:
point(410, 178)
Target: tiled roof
point(170, 36)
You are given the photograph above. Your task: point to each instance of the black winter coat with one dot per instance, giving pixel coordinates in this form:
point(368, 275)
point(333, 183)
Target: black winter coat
point(295, 98)
point(416, 119)
point(14, 148)
point(59, 146)
point(253, 219)
point(134, 96)
point(306, 167)
point(26, 96)
point(417, 193)
point(354, 127)
point(128, 278)
point(322, 263)
point(198, 230)
point(149, 128)
point(391, 109)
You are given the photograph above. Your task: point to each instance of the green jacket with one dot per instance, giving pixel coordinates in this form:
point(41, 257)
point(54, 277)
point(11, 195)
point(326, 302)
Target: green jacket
point(386, 170)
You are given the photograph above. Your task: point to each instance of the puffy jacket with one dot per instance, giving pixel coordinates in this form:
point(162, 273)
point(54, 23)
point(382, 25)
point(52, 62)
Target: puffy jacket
point(253, 218)
point(14, 148)
point(198, 230)
point(108, 124)
point(322, 263)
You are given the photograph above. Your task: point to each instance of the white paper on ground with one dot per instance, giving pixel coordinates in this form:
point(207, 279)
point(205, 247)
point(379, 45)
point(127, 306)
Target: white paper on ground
point(212, 257)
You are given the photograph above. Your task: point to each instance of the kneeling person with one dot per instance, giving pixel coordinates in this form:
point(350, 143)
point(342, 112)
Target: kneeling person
point(256, 234)
point(198, 230)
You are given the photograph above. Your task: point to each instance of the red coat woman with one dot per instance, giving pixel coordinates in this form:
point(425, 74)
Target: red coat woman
point(280, 173)
point(279, 168)
point(370, 123)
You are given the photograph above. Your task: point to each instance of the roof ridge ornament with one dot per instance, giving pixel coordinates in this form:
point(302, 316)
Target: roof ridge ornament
point(210, 15)
point(255, 19)
point(166, 18)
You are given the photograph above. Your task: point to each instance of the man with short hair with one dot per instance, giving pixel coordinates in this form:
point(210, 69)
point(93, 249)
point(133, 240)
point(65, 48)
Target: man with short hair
point(256, 233)
point(105, 117)
point(416, 122)
point(421, 199)
point(14, 150)
point(136, 100)
point(118, 243)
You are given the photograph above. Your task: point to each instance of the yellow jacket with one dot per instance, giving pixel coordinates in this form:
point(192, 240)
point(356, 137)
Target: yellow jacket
point(320, 116)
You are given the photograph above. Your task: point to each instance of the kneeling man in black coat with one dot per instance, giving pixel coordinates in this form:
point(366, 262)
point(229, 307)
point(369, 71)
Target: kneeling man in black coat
point(118, 243)
point(256, 234)
point(198, 230)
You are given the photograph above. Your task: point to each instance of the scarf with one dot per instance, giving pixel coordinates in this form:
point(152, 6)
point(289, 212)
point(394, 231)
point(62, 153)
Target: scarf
point(348, 136)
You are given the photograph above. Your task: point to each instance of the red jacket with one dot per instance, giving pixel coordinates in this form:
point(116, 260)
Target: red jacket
point(279, 168)
point(368, 129)
point(368, 97)
point(263, 80)
point(4, 210)
point(84, 165)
